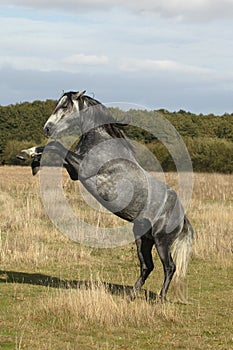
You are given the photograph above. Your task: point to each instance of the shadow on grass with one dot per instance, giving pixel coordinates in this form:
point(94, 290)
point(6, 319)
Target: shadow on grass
point(38, 279)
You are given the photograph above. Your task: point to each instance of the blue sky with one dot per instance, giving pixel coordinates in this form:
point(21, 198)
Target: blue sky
point(161, 54)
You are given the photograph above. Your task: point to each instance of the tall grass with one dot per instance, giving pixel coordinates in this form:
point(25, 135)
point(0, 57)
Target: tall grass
point(28, 235)
point(29, 242)
point(211, 212)
point(95, 305)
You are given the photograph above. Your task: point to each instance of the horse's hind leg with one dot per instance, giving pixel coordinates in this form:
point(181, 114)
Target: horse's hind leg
point(163, 249)
point(144, 248)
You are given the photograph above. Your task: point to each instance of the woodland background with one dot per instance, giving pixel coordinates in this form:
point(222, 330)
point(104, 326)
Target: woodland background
point(208, 138)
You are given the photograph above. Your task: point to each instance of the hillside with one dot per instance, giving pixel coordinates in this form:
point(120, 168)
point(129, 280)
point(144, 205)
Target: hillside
point(207, 137)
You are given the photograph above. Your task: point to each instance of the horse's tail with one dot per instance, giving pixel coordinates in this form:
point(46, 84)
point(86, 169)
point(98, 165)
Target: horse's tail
point(181, 250)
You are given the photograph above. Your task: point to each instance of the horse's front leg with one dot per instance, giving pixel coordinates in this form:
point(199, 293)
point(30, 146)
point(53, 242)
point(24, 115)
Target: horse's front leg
point(30, 152)
point(71, 160)
point(73, 172)
point(35, 153)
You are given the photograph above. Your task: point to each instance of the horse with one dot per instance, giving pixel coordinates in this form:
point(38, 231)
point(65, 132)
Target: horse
point(104, 162)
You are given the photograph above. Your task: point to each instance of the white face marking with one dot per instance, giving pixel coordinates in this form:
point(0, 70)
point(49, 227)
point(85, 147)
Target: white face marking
point(58, 113)
point(61, 101)
point(62, 116)
point(76, 105)
point(85, 104)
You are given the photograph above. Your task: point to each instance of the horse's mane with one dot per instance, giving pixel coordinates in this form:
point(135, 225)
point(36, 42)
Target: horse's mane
point(113, 127)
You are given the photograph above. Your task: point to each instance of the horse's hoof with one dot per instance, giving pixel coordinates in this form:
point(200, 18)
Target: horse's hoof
point(35, 170)
point(22, 156)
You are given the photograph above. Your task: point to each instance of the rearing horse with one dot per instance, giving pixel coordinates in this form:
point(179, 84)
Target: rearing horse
point(104, 162)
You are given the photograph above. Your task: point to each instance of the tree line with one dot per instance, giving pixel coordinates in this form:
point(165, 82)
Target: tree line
point(208, 138)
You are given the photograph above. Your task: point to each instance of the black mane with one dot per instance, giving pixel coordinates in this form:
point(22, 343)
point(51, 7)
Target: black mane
point(112, 126)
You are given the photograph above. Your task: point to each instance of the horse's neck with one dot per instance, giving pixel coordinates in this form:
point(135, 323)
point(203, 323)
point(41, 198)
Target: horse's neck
point(91, 139)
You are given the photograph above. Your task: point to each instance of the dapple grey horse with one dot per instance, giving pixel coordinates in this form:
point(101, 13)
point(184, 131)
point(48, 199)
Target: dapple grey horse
point(104, 161)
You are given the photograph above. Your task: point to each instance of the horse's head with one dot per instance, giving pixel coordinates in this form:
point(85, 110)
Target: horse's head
point(67, 109)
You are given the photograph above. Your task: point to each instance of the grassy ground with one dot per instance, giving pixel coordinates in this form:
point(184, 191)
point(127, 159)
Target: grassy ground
point(57, 294)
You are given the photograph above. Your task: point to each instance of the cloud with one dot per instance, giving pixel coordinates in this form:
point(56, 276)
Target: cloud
point(49, 46)
point(72, 64)
point(148, 65)
point(192, 10)
point(86, 59)
point(119, 54)
point(171, 68)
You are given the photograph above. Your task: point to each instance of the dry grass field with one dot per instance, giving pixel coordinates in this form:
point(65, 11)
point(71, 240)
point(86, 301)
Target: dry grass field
point(58, 295)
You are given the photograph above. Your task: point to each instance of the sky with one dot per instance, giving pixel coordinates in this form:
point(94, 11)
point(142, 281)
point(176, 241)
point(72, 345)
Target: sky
point(174, 54)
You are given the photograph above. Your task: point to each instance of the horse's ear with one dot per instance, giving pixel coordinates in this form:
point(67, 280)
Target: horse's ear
point(77, 95)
